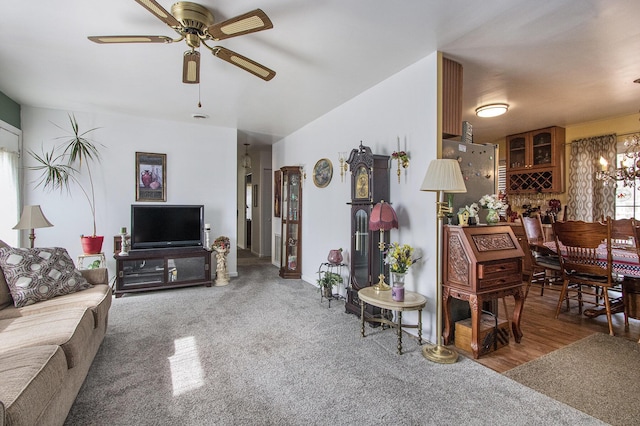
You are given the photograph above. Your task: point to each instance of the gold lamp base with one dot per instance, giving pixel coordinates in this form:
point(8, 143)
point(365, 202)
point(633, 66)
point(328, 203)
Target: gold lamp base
point(440, 354)
point(381, 285)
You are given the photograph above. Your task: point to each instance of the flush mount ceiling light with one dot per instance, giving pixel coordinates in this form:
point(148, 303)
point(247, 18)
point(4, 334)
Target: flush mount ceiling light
point(491, 110)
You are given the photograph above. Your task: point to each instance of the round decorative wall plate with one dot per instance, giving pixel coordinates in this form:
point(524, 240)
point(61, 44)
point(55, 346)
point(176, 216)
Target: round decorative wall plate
point(322, 172)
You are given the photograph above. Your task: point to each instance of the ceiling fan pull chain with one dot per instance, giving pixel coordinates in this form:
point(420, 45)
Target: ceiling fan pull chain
point(199, 104)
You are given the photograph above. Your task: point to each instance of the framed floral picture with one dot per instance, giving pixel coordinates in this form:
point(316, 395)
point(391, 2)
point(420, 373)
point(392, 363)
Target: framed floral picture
point(151, 177)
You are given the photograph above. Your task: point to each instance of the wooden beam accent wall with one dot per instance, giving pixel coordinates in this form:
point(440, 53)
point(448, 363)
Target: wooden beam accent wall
point(451, 98)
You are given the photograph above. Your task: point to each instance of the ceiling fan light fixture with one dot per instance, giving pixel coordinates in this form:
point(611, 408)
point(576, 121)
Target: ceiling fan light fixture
point(191, 67)
point(492, 110)
point(243, 25)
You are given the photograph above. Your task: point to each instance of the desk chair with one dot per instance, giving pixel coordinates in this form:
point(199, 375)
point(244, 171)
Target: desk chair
point(577, 243)
point(545, 264)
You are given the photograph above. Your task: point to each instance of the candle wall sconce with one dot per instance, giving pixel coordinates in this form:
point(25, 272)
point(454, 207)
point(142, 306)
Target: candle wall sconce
point(342, 157)
point(403, 160)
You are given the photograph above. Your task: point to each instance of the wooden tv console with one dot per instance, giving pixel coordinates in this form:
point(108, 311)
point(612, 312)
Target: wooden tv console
point(155, 269)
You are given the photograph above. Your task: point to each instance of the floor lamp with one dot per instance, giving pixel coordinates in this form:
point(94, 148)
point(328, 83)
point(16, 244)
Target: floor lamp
point(443, 175)
point(383, 218)
point(32, 218)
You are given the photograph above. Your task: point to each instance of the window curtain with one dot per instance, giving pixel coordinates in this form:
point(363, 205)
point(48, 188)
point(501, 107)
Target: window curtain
point(589, 199)
point(9, 213)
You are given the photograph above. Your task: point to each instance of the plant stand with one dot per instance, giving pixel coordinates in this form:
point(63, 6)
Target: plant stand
point(325, 268)
point(222, 273)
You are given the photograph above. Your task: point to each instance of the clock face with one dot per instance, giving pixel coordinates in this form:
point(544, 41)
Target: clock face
point(362, 183)
point(322, 173)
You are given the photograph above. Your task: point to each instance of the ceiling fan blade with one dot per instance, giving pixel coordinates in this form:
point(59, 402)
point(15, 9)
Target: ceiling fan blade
point(250, 22)
point(191, 67)
point(243, 62)
point(130, 39)
point(153, 7)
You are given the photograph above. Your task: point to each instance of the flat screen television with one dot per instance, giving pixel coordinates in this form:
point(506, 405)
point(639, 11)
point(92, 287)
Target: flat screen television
point(165, 226)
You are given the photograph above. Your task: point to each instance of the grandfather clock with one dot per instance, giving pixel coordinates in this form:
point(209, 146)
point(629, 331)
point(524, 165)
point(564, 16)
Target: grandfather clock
point(369, 185)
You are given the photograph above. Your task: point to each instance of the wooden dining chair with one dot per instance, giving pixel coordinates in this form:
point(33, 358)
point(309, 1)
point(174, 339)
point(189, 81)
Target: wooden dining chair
point(545, 264)
point(631, 286)
point(622, 230)
point(586, 262)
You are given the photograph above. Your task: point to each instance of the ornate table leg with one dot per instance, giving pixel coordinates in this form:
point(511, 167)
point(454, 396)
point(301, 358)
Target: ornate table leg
point(474, 303)
point(446, 305)
point(362, 318)
point(518, 296)
point(420, 327)
point(399, 332)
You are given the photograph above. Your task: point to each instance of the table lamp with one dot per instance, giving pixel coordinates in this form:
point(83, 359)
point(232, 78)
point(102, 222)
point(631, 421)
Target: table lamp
point(443, 175)
point(32, 218)
point(383, 218)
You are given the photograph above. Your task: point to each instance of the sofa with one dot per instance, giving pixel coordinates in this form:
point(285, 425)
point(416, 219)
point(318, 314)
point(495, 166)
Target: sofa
point(47, 347)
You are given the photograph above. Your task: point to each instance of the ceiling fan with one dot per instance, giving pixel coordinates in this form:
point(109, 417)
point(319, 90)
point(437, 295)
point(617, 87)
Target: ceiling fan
point(194, 23)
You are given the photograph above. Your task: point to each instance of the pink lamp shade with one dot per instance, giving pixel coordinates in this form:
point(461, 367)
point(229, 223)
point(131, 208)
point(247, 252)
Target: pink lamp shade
point(383, 217)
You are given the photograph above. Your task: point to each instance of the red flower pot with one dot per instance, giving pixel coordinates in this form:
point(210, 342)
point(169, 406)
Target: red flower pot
point(92, 245)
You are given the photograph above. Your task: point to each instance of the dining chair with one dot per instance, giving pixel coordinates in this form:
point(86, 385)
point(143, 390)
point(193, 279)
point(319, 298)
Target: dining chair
point(630, 286)
point(545, 264)
point(622, 230)
point(586, 262)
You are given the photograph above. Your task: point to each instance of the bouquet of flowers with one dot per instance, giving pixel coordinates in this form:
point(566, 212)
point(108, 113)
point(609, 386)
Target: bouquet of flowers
point(400, 258)
point(492, 202)
point(222, 242)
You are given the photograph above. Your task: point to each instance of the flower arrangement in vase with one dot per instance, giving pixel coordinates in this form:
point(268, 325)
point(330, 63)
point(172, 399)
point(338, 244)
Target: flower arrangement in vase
point(399, 258)
point(495, 205)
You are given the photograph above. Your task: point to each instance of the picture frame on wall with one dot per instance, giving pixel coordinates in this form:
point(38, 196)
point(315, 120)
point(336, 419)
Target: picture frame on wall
point(151, 176)
point(277, 192)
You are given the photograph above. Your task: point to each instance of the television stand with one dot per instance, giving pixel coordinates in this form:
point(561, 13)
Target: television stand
point(155, 269)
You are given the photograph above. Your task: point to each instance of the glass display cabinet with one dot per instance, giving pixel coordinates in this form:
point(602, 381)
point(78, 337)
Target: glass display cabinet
point(369, 185)
point(291, 249)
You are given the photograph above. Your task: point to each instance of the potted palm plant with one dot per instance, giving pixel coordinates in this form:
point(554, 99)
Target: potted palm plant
point(62, 166)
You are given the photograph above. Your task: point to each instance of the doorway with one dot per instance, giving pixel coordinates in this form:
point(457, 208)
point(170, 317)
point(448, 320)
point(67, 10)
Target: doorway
point(248, 203)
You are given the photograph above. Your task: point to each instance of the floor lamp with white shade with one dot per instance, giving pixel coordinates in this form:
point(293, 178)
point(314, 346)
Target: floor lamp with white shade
point(443, 175)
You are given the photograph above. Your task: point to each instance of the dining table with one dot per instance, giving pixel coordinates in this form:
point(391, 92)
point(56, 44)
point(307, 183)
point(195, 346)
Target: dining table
point(625, 267)
point(624, 256)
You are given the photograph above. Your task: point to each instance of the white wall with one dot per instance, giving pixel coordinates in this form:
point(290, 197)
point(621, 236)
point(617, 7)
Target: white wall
point(403, 106)
point(201, 160)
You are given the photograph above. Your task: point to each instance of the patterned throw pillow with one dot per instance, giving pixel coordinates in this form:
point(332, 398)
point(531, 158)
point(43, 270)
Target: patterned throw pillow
point(39, 274)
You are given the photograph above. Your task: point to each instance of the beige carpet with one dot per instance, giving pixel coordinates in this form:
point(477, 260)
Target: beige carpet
point(599, 375)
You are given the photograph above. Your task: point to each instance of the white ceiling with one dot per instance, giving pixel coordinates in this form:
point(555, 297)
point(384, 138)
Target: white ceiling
point(555, 62)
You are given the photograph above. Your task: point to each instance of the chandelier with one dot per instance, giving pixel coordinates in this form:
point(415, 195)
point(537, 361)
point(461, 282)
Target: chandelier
point(629, 169)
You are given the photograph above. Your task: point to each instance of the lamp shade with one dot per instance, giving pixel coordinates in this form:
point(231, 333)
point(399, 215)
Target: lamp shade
point(383, 217)
point(32, 218)
point(443, 175)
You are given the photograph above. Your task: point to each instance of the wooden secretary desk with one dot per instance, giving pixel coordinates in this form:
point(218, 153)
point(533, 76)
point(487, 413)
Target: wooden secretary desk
point(369, 185)
point(481, 263)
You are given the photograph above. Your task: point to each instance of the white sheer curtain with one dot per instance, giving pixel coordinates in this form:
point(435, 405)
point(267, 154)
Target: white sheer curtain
point(9, 193)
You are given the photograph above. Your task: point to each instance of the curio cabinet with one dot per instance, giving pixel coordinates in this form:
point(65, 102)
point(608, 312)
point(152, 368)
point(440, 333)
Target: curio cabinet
point(290, 246)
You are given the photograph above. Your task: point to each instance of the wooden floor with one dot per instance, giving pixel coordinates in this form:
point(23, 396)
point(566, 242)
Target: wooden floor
point(542, 333)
